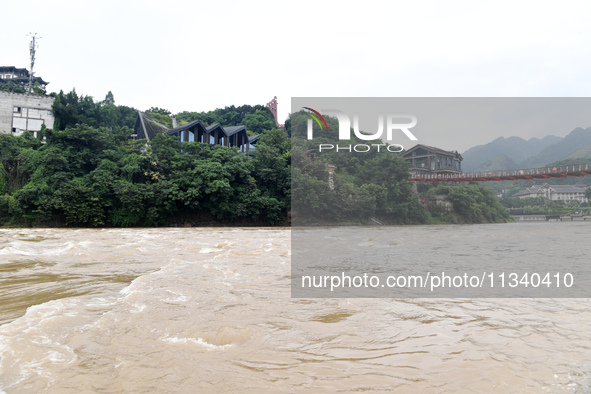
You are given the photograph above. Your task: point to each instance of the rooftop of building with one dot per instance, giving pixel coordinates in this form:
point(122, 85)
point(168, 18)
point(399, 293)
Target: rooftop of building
point(433, 150)
point(22, 75)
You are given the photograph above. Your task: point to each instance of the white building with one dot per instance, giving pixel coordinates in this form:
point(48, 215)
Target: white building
point(20, 112)
point(556, 192)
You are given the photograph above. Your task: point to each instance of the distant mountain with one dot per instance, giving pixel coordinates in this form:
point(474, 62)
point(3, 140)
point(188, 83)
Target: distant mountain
point(585, 151)
point(515, 149)
point(576, 144)
point(501, 162)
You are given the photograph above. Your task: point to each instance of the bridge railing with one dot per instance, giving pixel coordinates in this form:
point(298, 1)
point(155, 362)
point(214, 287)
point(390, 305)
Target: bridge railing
point(530, 173)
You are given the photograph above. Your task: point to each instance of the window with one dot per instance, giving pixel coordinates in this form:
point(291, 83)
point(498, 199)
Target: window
point(17, 110)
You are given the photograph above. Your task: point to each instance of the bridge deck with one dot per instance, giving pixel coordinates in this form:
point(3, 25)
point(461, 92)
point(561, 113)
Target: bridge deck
point(579, 170)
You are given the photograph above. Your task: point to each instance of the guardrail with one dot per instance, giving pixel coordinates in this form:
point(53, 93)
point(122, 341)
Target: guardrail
point(578, 170)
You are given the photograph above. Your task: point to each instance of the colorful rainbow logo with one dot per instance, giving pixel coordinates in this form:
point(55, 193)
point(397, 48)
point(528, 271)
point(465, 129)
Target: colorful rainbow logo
point(316, 119)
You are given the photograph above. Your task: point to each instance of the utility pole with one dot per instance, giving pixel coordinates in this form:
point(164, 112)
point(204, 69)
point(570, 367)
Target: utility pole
point(32, 48)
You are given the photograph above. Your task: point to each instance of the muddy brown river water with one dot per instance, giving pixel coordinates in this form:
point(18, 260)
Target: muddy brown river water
point(209, 310)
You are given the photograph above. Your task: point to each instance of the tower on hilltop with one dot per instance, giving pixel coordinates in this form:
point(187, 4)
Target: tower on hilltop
point(272, 105)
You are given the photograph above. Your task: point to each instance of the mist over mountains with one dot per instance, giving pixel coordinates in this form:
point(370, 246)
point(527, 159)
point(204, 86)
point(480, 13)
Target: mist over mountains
point(517, 153)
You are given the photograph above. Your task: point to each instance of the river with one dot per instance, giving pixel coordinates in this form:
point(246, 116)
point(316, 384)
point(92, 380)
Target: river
point(210, 310)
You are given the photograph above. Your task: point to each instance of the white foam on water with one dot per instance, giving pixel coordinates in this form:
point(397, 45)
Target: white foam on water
point(39, 314)
point(210, 250)
point(197, 341)
point(142, 284)
point(24, 248)
point(177, 297)
point(41, 351)
point(31, 345)
point(153, 288)
point(85, 244)
point(138, 307)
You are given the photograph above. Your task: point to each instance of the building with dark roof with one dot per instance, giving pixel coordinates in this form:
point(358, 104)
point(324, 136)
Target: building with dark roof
point(425, 159)
point(18, 76)
point(230, 136)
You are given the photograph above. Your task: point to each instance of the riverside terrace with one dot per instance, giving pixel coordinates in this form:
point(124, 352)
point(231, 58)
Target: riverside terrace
point(234, 136)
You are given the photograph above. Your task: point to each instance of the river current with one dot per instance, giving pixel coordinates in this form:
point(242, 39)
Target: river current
point(210, 310)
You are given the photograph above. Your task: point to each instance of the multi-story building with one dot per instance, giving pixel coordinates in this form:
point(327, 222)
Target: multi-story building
point(556, 192)
point(14, 74)
point(18, 76)
point(425, 159)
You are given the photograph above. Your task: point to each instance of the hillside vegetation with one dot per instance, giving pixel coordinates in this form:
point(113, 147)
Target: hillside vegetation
point(90, 173)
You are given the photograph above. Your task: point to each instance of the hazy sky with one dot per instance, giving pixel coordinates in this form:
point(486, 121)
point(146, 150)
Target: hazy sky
point(453, 123)
point(198, 56)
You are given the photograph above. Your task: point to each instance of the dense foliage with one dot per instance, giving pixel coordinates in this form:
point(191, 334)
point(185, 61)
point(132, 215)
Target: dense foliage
point(471, 203)
point(475, 203)
point(87, 176)
point(257, 119)
point(12, 87)
point(70, 110)
point(90, 173)
point(368, 187)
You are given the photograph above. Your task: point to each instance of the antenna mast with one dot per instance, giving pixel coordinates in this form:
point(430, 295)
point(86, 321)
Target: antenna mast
point(32, 48)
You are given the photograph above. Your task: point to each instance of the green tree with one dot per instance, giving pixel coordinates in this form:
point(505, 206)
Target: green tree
point(258, 122)
point(477, 204)
point(11, 87)
point(69, 109)
point(161, 111)
point(109, 99)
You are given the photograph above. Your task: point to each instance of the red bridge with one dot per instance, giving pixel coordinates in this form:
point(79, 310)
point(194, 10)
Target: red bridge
point(507, 175)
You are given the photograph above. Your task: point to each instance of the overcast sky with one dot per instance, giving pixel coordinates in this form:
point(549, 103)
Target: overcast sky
point(199, 56)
